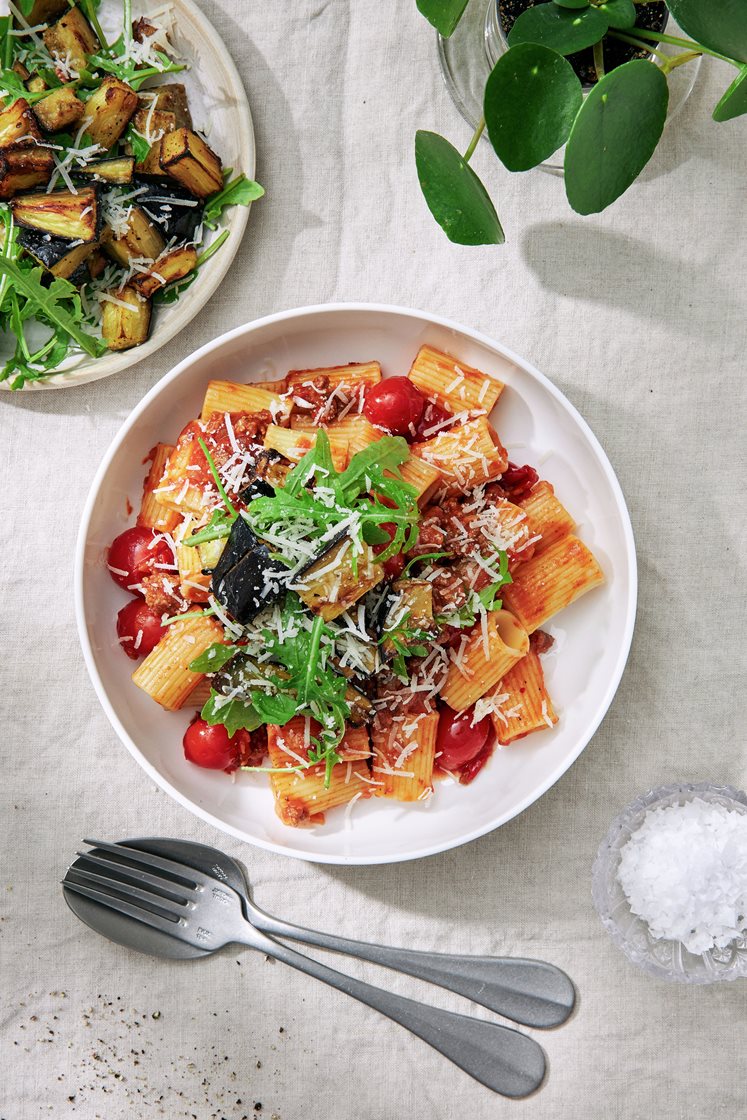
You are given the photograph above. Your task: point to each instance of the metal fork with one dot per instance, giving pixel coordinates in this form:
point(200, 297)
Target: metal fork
point(186, 904)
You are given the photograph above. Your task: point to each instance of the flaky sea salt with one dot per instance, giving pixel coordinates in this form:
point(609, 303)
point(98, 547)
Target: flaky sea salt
point(684, 872)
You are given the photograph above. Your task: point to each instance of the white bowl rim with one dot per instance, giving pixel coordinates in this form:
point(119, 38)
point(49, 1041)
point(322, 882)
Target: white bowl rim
point(333, 309)
point(96, 369)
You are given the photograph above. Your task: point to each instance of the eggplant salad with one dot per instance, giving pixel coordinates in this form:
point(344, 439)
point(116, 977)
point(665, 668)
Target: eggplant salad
point(107, 188)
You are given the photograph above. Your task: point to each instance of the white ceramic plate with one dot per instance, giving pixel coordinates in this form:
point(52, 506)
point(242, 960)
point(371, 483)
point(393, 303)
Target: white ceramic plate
point(219, 109)
point(537, 424)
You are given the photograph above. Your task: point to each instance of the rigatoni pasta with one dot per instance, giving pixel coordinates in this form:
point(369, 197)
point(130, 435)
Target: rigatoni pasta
point(341, 577)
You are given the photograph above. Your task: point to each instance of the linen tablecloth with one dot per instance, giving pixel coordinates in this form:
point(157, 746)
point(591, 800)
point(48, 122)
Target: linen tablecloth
point(638, 315)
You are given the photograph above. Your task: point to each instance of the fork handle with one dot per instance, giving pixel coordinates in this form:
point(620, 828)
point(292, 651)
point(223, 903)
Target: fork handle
point(534, 993)
point(499, 1057)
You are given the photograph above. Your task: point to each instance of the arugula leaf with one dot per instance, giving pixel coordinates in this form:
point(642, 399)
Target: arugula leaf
point(279, 708)
point(140, 146)
point(233, 714)
point(421, 558)
point(50, 303)
point(320, 455)
point(218, 526)
point(236, 192)
point(214, 658)
point(217, 479)
point(386, 453)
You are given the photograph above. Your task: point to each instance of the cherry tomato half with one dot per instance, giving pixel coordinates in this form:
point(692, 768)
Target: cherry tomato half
point(133, 555)
point(457, 741)
point(395, 404)
point(138, 629)
point(210, 745)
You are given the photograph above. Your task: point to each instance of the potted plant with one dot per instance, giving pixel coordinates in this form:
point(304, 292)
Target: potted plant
point(587, 74)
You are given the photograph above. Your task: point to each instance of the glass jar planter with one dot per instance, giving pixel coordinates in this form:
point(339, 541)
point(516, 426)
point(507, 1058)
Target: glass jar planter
point(470, 54)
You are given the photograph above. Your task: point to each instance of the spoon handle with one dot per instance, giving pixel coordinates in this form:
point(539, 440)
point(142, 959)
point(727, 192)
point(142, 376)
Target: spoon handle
point(534, 993)
point(499, 1057)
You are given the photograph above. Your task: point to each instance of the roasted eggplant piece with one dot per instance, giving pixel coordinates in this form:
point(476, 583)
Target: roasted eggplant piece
point(410, 609)
point(59, 109)
point(125, 327)
point(187, 158)
point(152, 125)
point(44, 11)
point(16, 122)
point(268, 472)
point(118, 170)
point(169, 267)
point(172, 98)
point(175, 211)
point(331, 586)
point(23, 166)
point(108, 111)
point(72, 38)
point(241, 579)
point(62, 213)
point(142, 240)
point(96, 264)
point(56, 253)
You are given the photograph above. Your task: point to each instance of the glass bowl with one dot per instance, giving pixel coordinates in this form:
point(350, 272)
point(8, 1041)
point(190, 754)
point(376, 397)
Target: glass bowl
point(668, 960)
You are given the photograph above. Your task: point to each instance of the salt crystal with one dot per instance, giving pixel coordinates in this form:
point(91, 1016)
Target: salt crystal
point(684, 872)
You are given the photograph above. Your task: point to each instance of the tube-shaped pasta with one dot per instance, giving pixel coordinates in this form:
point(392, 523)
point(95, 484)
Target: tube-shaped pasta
point(425, 477)
point(165, 674)
point(229, 396)
point(453, 385)
point(467, 455)
point(357, 429)
point(153, 514)
point(295, 444)
point(547, 518)
point(490, 651)
point(404, 757)
point(194, 584)
point(300, 795)
point(551, 581)
point(350, 376)
point(525, 704)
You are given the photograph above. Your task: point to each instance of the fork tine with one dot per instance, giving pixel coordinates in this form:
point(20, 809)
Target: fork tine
point(129, 890)
point(188, 874)
point(147, 917)
point(169, 888)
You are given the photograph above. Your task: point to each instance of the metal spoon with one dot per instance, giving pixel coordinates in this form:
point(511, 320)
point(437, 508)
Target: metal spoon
point(499, 1057)
point(533, 993)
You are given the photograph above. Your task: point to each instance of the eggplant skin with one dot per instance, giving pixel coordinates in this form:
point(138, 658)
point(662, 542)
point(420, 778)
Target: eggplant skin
point(240, 541)
point(57, 254)
point(243, 590)
point(161, 202)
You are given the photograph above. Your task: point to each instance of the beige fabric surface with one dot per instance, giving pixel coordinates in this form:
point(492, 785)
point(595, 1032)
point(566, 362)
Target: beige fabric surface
point(638, 315)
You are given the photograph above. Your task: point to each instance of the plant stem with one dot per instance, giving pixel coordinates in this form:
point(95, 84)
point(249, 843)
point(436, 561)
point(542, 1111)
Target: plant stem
point(599, 59)
point(646, 46)
point(127, 22)
point(658, 37)
point(474, 141)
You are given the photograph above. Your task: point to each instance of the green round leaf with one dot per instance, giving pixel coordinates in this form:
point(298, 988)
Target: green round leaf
point(443, 14)
point(560, 29)
point(456, 198)
point(614, 135)
point(734, 102)
point(572, 3)
point(620, 13)
point(531, 100)
point(718, 24)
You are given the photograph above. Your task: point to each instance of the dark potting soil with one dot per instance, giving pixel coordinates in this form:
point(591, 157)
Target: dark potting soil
point(652, 17)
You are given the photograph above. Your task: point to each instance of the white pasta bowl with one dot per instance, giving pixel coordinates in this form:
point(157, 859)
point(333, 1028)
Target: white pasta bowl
point(219, 109)
point(592, 637)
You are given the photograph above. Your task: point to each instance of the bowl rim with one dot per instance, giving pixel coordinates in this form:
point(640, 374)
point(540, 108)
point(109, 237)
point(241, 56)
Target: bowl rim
point(93, 369)
point(331, 310)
